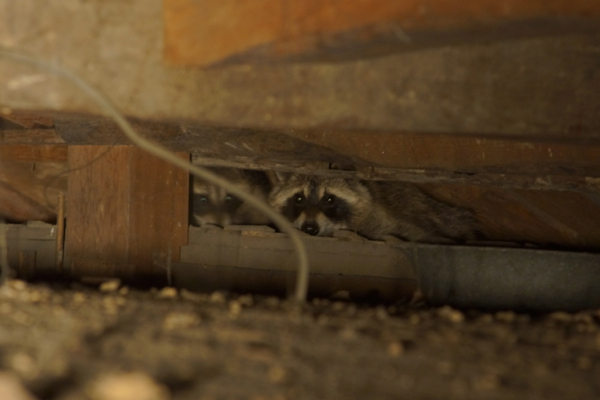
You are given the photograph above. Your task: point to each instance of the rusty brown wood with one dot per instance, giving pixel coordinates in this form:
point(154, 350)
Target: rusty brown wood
point(33, 153)
point(60, 234)
point(550, 163)
point(159, 212)
point(214, 30)
point(98, 205)
point(127, 210)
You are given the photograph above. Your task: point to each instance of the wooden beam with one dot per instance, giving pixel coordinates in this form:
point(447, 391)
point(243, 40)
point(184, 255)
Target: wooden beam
point(202, 33)
point(564, 163)
point(127, 211)
point(34, 153)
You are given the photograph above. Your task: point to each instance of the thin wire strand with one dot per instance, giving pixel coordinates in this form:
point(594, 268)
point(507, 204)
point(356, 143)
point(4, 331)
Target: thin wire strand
point(4, 267)
point(110, 110)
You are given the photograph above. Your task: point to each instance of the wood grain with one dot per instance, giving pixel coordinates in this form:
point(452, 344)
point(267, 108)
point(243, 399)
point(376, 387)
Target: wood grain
point(201, 33)
point(127, 211)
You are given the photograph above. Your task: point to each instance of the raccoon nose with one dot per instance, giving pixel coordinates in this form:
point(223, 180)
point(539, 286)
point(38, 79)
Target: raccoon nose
point(312, 228)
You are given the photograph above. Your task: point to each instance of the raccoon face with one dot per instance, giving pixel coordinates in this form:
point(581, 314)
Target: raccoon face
point(212, 205)
point(318, 205)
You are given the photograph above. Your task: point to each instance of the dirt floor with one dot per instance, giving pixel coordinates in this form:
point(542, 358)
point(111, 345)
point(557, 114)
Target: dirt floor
point(117, 343)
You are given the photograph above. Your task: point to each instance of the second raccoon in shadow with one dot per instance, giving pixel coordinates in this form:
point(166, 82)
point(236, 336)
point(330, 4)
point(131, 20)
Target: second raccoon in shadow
point(319, 205)
point(213, 205)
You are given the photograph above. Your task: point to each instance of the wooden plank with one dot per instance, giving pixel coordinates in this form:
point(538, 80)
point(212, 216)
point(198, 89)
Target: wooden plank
point(98, 205)
point(550, 218)
point(127, 211)
point(41, 153)
point(159, 213)
point(549, 163)
point(202, 33)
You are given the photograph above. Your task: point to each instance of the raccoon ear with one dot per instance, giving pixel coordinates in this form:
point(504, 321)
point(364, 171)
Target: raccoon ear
point(277, 177)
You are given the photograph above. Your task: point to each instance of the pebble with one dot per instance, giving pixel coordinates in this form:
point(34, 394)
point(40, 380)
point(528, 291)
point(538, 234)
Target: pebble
point(235, 308)
point(584, 363)
point(181, 320)
point(395, 349)
point(12, 388)
point(167, 293)
point(24, 365)
point(486, 382)
point(217, 297)
point(272, 301)
point(560, 316)
point(451, 314)
point(348, 334)
point(246, 300)
point(191, 296)
point(128, 386)
point(110, 286)
point(338, 306)
point(506, 316)
point(78, 298)
point(381, 313)
point(276, 374)
point(18, 284)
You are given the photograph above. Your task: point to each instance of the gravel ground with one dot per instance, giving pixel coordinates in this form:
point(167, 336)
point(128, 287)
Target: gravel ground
point(116, 343)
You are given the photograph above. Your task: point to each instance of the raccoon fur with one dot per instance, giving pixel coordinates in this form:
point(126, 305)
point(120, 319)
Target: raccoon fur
point(212, 204)
point(319, 205)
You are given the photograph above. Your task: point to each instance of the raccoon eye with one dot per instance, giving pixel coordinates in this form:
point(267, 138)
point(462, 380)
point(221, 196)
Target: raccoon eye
point(203, 199)
point(330, 199)
point(299, 199)
point(228, 198)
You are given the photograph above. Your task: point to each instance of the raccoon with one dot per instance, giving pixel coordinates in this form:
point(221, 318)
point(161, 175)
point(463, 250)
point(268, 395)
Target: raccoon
point(212, 204)
point(320, 205)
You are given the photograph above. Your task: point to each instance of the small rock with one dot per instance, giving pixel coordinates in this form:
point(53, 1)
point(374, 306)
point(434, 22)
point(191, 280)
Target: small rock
point(486, 318)
point(560, 316)
point(110, 306)
point(506, 316)
point(191, 296)
point(24, 365)
point(18, 284)
point(129, 386)
point(445, 367)
point(217, 297)
point(338, 306)
point(486, 382)
point(11, 388)
point(584, 363)
point(272, 302)
point(78, 298)
point(348, 334)
point(235, 308)
point(341, 295)
point(124, 291)
point(110, 285)
point(167, 293)
point(180, 320)
point(451, 314)
point(276, 374)
point(584, 318)
point(246, 300)
point(381, 313)
point(395, 349)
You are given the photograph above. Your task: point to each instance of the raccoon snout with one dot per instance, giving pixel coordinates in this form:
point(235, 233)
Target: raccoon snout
point(312, 228)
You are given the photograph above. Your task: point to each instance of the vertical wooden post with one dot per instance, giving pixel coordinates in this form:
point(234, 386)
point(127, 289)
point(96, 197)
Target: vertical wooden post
point(127, 210)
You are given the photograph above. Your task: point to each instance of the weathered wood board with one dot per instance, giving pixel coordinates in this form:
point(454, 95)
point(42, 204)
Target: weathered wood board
point(203, 33)
point(127, 212)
